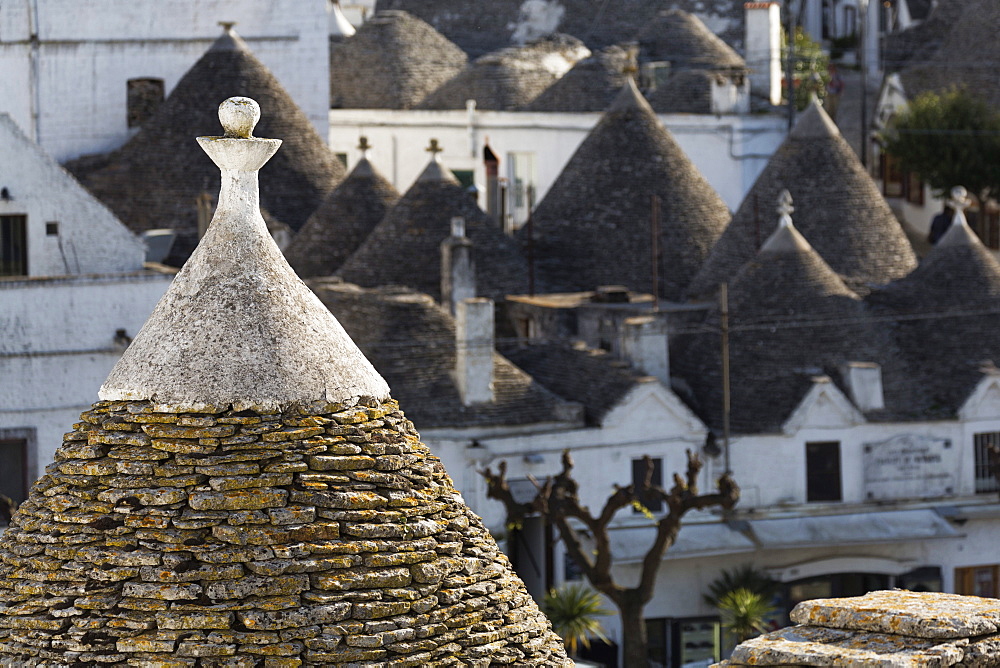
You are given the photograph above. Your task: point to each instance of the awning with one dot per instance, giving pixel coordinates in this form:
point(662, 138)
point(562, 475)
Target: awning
point(891, 526)
point(629, 545)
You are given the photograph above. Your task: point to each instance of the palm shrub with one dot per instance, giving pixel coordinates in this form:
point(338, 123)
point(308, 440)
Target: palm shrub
point(744, 613)
point(574, 610)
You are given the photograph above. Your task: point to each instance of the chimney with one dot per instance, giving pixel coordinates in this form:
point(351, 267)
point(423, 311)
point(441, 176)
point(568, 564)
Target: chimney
point(458, 268)
point(474, 350)
point(644, 345)
point(864, 384)
point(763, 49)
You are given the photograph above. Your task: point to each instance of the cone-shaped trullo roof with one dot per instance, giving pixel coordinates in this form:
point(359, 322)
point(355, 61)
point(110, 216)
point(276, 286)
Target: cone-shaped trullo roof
point(511, 77)
point(791, 319)
point(840, 212)
point(342, 222)
point(593, 227)
point(683, 40)
point(946, 312)
point(591, 85)
point(405, 248)
point(392, 62)
point(247, 521)
point(154, 180)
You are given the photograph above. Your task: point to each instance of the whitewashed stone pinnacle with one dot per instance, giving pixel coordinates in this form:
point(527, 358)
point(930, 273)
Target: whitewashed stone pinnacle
point(237, 326)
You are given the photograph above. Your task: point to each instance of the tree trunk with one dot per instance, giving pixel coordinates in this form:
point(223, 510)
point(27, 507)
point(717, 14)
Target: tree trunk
point(635, 651)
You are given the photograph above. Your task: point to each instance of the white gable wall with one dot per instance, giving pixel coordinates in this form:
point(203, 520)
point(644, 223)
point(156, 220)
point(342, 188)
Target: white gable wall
point(90, 239)
point(68, 89)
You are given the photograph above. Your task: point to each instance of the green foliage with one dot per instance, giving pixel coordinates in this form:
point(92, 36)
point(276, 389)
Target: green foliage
point(743, 577)
point(574, 609)
point(809, 69)
point(744, 613)
point(950, 139)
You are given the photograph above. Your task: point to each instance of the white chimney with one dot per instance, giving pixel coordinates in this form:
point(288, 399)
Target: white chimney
point(474, 350)
point(864, 384)
point(458, 268)
point(763, 49)
point(644, 345)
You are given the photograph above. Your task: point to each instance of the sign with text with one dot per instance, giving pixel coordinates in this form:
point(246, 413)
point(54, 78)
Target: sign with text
point(909, 466)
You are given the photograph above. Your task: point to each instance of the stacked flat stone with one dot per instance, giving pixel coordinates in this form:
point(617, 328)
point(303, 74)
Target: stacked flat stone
point(890, 629)
point(248, 494)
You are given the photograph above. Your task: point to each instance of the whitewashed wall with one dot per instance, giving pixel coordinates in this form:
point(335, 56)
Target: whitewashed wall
point(67, 89)
point(730, 151)
point(90, 239)
point(57, 346)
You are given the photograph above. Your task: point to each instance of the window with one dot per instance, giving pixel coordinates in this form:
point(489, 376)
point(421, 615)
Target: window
point(522, 176)
point(893, 184)
point(823, 471)
point(986, 480)
point(913, 186)
point(658, 642)
point(342, 157)
point(144, 98)
point(977, 580)
point(52, 229)
point(15, 446)
point(13, 245)
point(652, 503)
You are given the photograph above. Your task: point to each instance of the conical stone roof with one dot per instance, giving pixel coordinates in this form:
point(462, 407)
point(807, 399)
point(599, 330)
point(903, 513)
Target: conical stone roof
point(223, 529)
point(342, 222)
point(944, 316)
point(683, 40)
point(791, 319)
point(593, 226)
point(840, 212)
point(153, 181)
point(405, 248)
point(510, 78)
point(393, 62)
point(591, 85)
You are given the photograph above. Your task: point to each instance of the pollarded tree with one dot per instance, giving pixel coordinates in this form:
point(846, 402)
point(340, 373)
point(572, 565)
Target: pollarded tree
point(558, 502)
point(949, 138)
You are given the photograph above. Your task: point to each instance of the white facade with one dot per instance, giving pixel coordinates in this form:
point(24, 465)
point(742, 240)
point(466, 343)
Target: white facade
point(61, 228)
point(730, 151)
point(64, 69)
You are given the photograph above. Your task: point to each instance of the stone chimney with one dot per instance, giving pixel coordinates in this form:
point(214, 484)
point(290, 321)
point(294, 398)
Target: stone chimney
point(644, 345)
point(864, 384)
point(458, 267)
point(763, 49)
point(474, 350)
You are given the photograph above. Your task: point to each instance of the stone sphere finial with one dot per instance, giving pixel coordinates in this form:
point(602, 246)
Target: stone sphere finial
point(959, 199)
point(239, 116)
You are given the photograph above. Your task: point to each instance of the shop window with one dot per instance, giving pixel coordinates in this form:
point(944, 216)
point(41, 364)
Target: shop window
point(986, 481)
point(13, 245)
point(652, 503)
point(696, 641)
point(144, 98)
point(823, 471)
point(977, 580)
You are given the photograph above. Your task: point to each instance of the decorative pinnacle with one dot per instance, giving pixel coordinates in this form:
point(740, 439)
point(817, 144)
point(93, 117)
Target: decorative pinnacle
point(239, 116)
point(632, 61)
point(959, 199)
point(227, 25)
point(434, 149)
point(363, 143)
point(785, 208)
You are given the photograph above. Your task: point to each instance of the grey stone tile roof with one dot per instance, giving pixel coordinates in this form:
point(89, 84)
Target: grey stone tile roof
point(404, 249)
point(393, 61)
point(485, 27)
point(838, 208)
point(593, 226)
point(943, 318)
point(792, 319)
point(967, 57)
point(510, 78)
point(342, 222)
point(411, 340)
point(683, 40)
point(918, 44)
point(154, 179)
point(685, 92)
point(591, 85)
point(593, 378)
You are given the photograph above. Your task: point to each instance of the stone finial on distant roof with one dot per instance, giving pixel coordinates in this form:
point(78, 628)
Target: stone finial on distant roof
point(785, 208)
point(632, 61)
point(434, 149)
point(785, 237)
point(364, 147)
point(958, 233)
point(237, 327)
